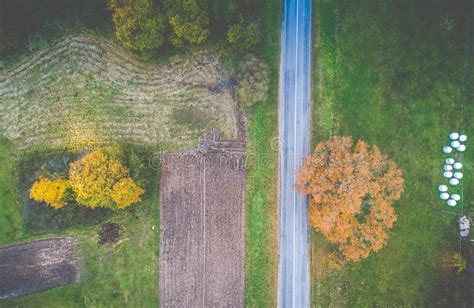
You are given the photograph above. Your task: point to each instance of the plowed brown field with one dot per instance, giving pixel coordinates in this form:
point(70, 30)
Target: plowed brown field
point(36, 266)
point(202, 226)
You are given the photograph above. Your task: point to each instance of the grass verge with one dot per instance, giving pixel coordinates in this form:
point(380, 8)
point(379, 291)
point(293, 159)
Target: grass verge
point(391, 74)
point(261, 261)
point(10, 216)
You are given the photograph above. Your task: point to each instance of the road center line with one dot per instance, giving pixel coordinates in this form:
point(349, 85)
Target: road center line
point(294, 160)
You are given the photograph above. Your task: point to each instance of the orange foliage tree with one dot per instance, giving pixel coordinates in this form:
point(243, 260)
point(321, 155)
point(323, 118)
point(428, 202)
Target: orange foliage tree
point(101, 181)
point(52, 192)
point(351, 189)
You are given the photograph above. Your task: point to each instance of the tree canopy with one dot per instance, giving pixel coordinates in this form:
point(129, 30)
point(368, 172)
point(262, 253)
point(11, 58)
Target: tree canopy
point(101, 181)
point(53, 192)
point(189, 21)
point(138, 24)
point(352, 189)
point(145, 25)
point(243, 36)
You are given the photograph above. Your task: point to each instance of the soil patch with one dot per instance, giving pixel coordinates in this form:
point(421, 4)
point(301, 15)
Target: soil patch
point(36, 266)
point(109, 233)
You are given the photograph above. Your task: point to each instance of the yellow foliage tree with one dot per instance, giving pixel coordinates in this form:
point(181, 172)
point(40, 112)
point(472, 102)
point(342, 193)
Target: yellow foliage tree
point(352, 189)
point(126, 192)
point(93, 178)
point(52, 192)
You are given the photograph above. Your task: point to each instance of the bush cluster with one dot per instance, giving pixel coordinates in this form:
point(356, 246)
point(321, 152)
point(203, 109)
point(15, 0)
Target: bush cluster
point(145, 25)
point(95, 180)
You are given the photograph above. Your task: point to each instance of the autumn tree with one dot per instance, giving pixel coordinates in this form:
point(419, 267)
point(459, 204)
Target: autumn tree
point(351, 191)
point(126, 192)
point(138, 24)
point(189, 21)
point(53, 192)
point(98, 180)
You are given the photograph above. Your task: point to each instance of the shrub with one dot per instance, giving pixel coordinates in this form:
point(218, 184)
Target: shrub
point(352, 189)
point(53, 192)
point(188, 20)
point(454, 260)
point(243, 37)
point(138, 24)
point(126, 192)
point(252, 82)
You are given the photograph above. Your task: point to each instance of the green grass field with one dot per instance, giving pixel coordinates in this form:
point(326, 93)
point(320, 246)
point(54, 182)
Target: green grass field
point(10, 216)
point(261, 261)
point(391, 74)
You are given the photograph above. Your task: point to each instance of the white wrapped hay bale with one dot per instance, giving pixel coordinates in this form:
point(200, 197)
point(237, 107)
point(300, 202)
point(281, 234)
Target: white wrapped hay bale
point(447, 149)
point(448, 174)
point(455, 197)
point(443, 188)
point(454, 181)
point(453, 136)
point(452, 202)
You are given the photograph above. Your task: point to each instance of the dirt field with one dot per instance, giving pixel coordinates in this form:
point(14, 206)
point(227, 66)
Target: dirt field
point(202, 226)
point(85, 90)
point(36, 266)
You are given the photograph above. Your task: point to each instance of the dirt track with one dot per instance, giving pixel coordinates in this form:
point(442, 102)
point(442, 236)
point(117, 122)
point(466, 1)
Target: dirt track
point(36, 266)
point(202, 226)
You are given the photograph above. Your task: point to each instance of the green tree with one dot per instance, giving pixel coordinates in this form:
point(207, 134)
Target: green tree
point(138, 24)
point(243, 37)
point(188, 20)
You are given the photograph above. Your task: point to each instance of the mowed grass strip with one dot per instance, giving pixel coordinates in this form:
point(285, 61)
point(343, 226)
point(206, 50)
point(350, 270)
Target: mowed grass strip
point(391, 74)
point(10, 216)
point(261, 260)
point(86, 90)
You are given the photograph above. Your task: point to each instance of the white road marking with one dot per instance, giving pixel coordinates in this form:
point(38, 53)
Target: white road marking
point(294, 161)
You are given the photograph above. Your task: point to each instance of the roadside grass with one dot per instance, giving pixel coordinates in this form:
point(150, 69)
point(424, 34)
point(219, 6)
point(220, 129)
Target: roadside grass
point(121, 274)
point(10, 216)
point(392, 78)
point(261, 259)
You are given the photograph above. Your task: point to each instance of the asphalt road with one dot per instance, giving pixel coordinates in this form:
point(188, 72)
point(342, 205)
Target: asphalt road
point(295, 85)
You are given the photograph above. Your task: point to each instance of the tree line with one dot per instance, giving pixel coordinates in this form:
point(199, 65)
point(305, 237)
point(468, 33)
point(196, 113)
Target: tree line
point(148, 25)
point(140, 25)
